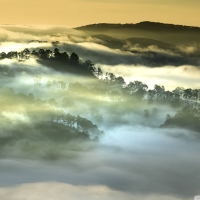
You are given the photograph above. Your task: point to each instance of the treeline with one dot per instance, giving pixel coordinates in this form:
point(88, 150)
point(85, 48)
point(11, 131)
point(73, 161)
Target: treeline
point(106, 87)
point(188, 118)
point(117, 90)
point(72, 63)
point(60, 61)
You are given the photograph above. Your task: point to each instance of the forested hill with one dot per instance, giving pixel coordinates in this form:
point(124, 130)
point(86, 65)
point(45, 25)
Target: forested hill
point(170, 33)
point(146, 25)
point(59, 61)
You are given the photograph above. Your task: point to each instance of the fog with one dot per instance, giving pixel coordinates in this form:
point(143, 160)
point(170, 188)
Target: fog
point(138, 164)
point(97, 135)
point(61, 191)
point(169, 76)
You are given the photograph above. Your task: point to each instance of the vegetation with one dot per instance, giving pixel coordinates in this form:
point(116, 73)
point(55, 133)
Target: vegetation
point(67, 120)
point(172, 34)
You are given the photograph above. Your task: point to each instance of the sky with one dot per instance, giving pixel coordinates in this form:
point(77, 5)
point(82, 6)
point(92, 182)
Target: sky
point(73, 13)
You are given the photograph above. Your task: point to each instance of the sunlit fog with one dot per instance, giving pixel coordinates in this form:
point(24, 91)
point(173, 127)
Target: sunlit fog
point(85, 115)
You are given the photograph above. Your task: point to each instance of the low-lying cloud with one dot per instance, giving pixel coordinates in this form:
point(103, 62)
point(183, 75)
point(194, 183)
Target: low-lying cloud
point(61, 191)
point(132, 158)
point(169, 76)
point(132, 161)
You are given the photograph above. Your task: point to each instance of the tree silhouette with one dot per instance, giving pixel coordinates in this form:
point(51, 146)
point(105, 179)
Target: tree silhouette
point(74, 58)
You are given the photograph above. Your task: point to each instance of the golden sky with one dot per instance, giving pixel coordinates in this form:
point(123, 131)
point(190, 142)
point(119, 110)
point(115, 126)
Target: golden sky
point(73, 13)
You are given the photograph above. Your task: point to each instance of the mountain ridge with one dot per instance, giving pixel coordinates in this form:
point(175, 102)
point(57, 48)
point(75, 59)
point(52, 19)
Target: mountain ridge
point(139, 25)
point(168, 33)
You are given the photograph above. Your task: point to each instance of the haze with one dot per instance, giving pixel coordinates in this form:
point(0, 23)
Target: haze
point(73, 13)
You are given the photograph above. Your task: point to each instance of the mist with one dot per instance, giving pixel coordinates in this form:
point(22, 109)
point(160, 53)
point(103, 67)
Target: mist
point(99, 118)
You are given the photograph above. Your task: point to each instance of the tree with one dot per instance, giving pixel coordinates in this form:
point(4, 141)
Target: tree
point(3, 55)
point(111, 76)
point(159, 90)
point(12, 54)
point(74, 58)
point(99, 72)
point(151, 96)
point(187, 93)
point(26, 53)
point(133, 87)
point(56, 50)
point(43, 54)
point(88, 64)
point(168, 116)
point(119, 80)
point(59, 55)
point(64, 55)
point(69, 120)
point(49, 53)
point(178, 92)
point(169, 95)
point(140, 94)
point(195, 93)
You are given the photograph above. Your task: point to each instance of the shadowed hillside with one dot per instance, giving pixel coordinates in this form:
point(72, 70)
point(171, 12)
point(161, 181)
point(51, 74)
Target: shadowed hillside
point(121, 43)
point(169, 33)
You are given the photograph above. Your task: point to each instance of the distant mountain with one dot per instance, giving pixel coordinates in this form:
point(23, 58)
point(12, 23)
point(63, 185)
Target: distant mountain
point(146, 25)
point(168, 33)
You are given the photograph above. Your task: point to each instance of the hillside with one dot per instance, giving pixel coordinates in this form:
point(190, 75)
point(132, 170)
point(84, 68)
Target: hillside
point(169, 33)
point(125, 44)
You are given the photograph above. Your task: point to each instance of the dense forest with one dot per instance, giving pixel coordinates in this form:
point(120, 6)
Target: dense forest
point(104, 96)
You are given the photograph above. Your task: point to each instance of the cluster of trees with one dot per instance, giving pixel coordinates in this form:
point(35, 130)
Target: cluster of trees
point(107, 86)
point(45, 54)
point(136, 90)
point(41, 53)
point(43, 111)
point(23, 55)
point(185, 100)
point(188, 117)
point(81, 124)
point(55, 59)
